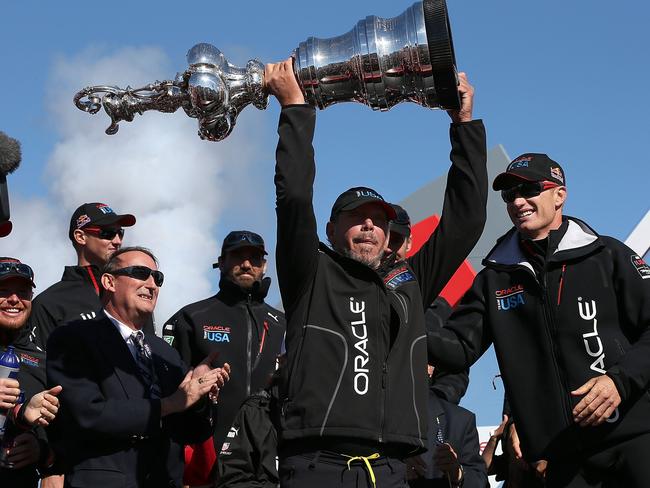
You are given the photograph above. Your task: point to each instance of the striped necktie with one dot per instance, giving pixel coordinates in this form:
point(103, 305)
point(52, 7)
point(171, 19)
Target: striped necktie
point(145, 363)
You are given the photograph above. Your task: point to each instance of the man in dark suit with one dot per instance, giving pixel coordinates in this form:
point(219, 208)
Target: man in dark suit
point(129, 403)
point(452, 459)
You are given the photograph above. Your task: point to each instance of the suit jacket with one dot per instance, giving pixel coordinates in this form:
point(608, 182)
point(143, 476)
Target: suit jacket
point(108, 432)
point(457, 426)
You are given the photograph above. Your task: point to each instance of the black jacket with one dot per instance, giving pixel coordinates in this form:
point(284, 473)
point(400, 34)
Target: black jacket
point(75, 297)
point(31, 377)
point(457, 426)
point(249, 455)
point(246, 331)
point(586, 314)
point(350, 377)
point(109, 432)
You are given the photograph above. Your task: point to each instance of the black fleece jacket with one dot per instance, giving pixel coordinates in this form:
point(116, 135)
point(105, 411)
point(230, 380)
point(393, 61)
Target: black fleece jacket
point(245, 331)
point(587, 313)
point(350, 382)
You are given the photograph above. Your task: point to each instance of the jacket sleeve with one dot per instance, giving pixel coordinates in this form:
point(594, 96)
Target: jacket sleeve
point(247, 460)
point(474, 469)
point(632, 284)
point(463, 214)
point(41, 324)
point(71, 365)
point(297, 243)
point(178, 333)
point(465, 336)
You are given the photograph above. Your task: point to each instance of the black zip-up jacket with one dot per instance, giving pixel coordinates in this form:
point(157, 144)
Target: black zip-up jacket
point(349, 380)
point(248, 457)
point(586, 314)
point(32, 380)
point(246, 331)
point(75, 297)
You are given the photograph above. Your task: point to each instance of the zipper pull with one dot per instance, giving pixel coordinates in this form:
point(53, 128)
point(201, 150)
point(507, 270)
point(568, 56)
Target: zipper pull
point(384, 374)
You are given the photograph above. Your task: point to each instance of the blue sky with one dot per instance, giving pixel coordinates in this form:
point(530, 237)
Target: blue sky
point(566, 78)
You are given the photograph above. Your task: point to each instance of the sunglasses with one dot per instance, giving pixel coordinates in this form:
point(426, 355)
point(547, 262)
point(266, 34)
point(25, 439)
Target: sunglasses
point(16, 268)
point(528, 189)
point(141, 273)
point(238, 236)
point(107, 234)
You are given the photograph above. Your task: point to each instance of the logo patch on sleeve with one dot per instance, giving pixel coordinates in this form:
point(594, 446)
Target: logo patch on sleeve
point(641, 266)
point(510, 298)
point(397, 277)
point(169, 339)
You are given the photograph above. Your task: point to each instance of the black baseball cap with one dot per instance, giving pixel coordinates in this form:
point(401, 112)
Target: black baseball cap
point(357, 196)
point(242, 238)
point(97, 214)
point(13, 268)
point(402, 222)
point(5, 228)
point(530, 167)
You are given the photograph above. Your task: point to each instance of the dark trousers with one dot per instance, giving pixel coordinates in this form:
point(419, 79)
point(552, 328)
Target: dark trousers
point(625, 465)
point(324, 469)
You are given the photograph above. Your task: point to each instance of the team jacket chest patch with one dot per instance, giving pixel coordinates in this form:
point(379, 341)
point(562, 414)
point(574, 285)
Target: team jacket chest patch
point(641, 266)
point(398, 277)
point(29, 360)
point(216, 333)
point(510, 298)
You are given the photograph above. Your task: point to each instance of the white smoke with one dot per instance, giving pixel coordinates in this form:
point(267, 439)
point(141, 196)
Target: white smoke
point(155, 167)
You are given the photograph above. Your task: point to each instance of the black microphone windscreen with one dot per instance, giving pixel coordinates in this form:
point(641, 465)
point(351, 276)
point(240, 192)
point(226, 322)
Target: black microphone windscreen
point(10, 155)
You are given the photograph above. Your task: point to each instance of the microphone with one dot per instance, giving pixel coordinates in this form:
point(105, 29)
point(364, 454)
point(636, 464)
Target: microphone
point(10, 157)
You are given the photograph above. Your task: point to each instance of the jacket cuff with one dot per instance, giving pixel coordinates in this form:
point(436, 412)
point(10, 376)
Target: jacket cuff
point(619, 380)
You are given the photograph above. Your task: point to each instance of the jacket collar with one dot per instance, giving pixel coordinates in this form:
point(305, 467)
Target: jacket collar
point(579, 240)
point(81, 273)
point(232, 293)
point(352, 266)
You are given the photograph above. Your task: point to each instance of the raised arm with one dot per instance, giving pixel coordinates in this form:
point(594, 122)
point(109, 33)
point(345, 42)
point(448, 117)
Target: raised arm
point(464, 208)
point(297, 244)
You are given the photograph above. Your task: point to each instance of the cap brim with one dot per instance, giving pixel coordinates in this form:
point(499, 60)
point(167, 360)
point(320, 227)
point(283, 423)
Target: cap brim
point(401, 229)
point(390, 211)
point(16, 275)
point(126, 220)
point(507, 180)
point(5, 228)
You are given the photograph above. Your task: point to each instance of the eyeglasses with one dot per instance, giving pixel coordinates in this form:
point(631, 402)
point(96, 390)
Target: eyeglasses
point(528, 189)
point(107, 234)
point(141, 273)
point(16, 268)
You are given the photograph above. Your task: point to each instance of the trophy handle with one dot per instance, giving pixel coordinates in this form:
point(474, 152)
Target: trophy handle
point(119, 104)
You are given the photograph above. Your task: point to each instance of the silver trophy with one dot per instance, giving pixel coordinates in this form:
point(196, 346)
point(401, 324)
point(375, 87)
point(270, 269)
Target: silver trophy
point(380, 63)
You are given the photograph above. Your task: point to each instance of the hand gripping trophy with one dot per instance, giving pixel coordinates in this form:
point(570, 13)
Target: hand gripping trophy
point(380, 63)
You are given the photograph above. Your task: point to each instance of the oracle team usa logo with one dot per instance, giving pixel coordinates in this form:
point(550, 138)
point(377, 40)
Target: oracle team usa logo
point(360, 332)
point(592, 342)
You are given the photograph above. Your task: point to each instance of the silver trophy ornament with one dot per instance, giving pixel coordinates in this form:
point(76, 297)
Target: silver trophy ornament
point(380, 63)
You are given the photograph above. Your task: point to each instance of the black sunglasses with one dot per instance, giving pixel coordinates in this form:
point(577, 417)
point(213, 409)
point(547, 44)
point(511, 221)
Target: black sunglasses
point(141, 273)
point(16, 268)
point(238, 236)
point(528, 189)
point(107, 234)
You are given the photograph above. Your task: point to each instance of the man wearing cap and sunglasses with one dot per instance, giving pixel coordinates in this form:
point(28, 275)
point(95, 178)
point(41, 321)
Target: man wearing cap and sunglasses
point(569, 313)
point(356, 395)
point(129, 403)
point(236, 323)
point(96, 232)
point(30, 454)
